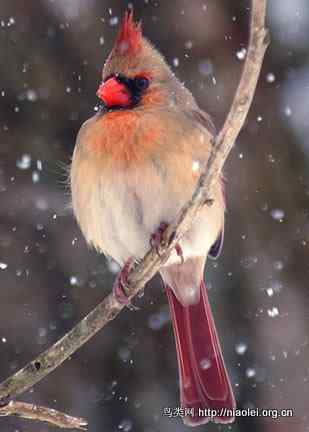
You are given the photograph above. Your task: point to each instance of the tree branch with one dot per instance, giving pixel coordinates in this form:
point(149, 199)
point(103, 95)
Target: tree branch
point(39, 413)
point(143, 271)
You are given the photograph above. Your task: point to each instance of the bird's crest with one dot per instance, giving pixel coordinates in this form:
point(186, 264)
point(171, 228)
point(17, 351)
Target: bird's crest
point(129, 37)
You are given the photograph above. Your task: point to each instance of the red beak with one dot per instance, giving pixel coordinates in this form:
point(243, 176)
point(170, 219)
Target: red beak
point(114, 93)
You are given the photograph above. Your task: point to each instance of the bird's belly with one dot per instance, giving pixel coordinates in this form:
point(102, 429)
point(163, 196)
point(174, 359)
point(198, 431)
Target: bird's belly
point(123, 213)
point(124, 233)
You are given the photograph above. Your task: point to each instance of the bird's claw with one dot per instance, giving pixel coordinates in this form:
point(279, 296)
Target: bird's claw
point(156, 238)
point(179, 252)
point(121, 282)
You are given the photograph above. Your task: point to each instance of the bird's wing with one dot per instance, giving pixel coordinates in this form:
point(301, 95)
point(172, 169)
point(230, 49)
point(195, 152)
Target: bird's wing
point(205, 120)
point(216, 248)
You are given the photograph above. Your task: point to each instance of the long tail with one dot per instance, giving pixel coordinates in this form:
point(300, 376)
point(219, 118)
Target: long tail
point(204, 382)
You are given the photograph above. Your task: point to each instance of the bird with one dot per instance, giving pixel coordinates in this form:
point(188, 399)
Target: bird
point(136, 162)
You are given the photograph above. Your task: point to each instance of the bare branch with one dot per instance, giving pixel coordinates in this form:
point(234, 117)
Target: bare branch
point(142, 272)
point(42, 414)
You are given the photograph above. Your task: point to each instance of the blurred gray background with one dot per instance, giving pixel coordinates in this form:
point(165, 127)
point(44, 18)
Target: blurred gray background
point(51, 55)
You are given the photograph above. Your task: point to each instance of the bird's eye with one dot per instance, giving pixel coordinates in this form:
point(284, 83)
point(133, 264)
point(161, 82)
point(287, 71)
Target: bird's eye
point(142, 83)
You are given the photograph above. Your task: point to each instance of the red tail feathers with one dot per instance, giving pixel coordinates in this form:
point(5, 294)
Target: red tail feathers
point(204, 383)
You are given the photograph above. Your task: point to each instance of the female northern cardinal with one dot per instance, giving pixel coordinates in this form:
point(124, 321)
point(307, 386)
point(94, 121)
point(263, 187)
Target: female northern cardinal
point(135, 164)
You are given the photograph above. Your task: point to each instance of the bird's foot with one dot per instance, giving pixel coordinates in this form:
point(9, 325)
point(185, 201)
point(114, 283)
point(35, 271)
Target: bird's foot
point(179, 252)
point(155, 241)
point(121, 283)
point(156, 237)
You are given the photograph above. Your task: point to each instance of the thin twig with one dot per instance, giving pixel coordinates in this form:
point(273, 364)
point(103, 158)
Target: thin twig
point(40, 413)
point(143, 271)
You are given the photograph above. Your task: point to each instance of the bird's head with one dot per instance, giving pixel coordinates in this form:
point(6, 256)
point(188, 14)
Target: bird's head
point(135, 73)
